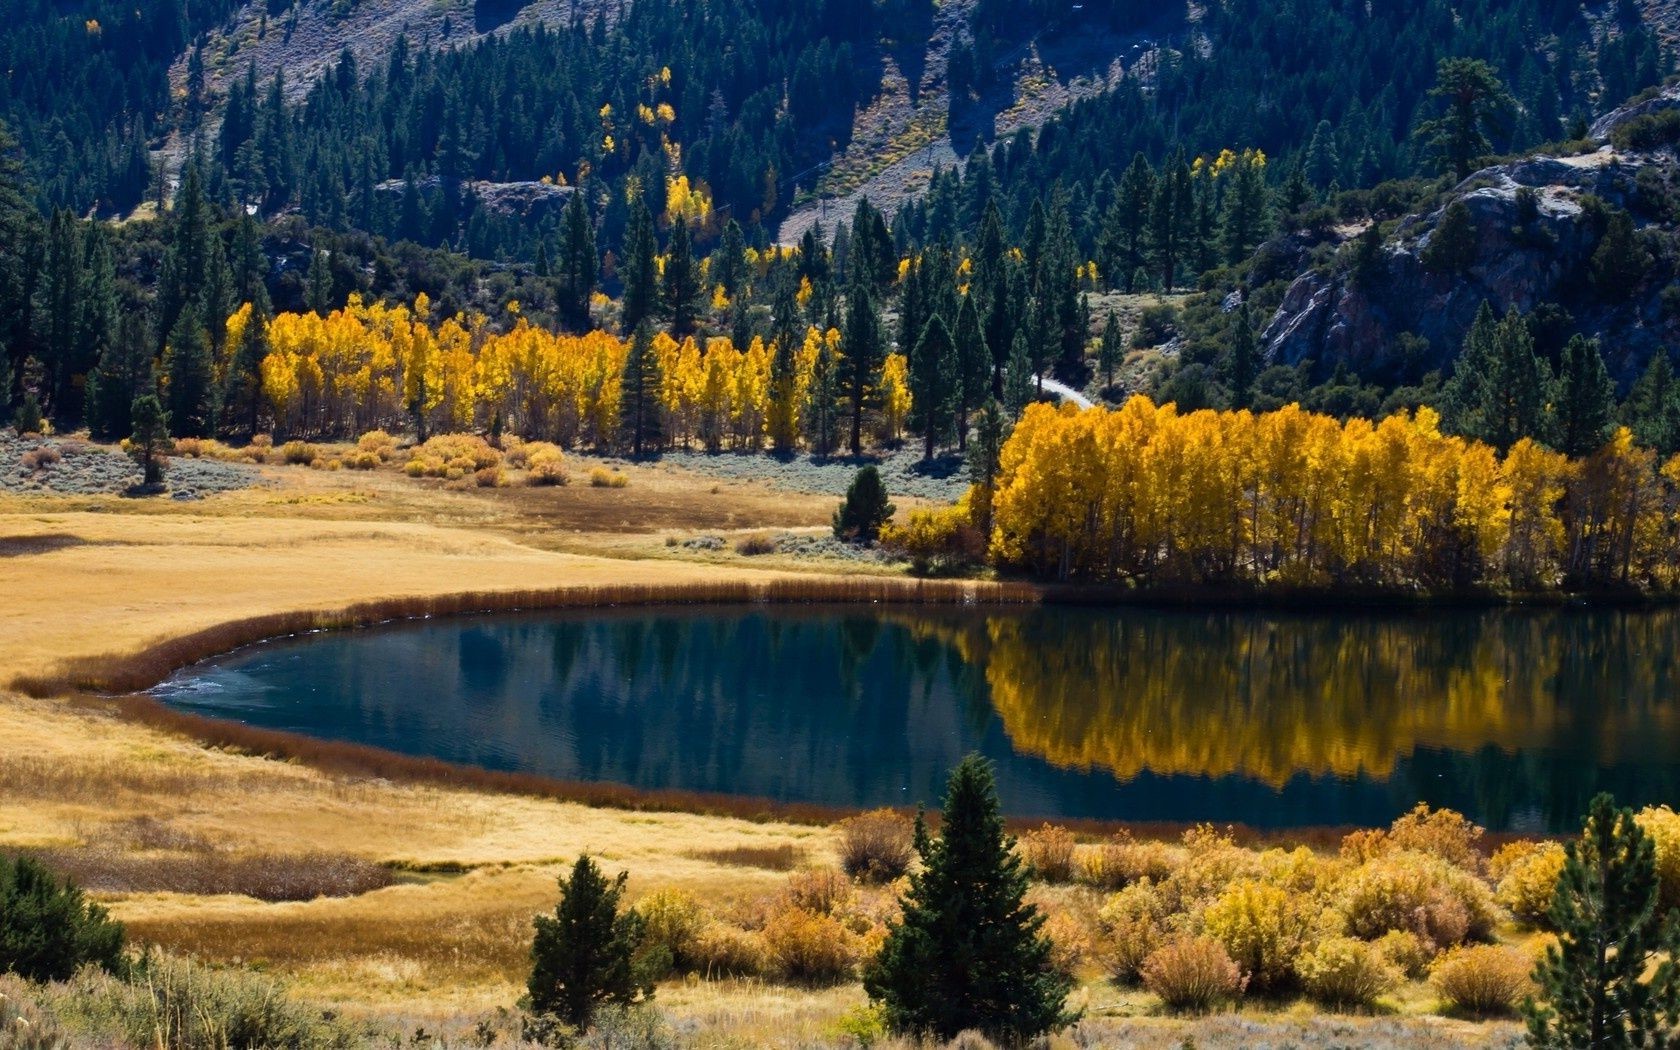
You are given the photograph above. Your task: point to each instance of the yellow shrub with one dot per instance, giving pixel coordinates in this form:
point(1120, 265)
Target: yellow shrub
point(1301, 871)
point(1342, 971)
point(362, 461)
point(1192, 974)
point(1418, 892)
point(467, 451)
point(1123, 860)
point(876, 846)
point(602, 478)
point(489, 478)
point(1527, 874)
point(805, 946)
point(1048, 852)
point(1135, 923)
point(1663, 826)
point(417, 468)
point(298, 453)
point(824, 891)
point(932, 539)
point(672, 920)
point(377, 443)
point(1263, 928)
point(1483, 978)
point(546, 463)
point(1070, 943)
point(1408, 952)
point(722, 950)
point(1442, 832)
point(1212, 861)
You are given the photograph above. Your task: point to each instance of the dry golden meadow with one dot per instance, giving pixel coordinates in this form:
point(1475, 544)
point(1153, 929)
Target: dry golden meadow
point(433, 885)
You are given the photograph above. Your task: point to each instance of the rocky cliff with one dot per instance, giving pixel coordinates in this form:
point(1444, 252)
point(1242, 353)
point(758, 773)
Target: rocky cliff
point(1398, 318)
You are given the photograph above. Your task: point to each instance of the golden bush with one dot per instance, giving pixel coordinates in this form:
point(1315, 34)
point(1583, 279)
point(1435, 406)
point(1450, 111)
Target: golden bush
point(489, 478)
point(673, 920)
point(298, 453)
point(377, 443)
point(602, 478)
point(808, 947)
point(1408, 952)
point(1192, 974)
point(1442, 832)
point(876, 846)
point(1662, 824)
point(1070, 941)
point(468, 452)
point(1527, 875)
point(1123, 860)
point(1134, 924)
point(1419, 892)
point(1048, 852)
point(1343, 971)
point(722, 950)
point(1263, 927)
point(1483, 979)
point(546, 463)
point(824, 891)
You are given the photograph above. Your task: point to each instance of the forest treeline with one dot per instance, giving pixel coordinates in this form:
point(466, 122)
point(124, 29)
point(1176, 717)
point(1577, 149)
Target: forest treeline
point(1294, 500)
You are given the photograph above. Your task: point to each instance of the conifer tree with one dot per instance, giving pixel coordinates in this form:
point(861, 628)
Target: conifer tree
point(974, 366)
point(729, 261)
point(123, 373)
point(1018, 379)
point(639, 404)
point(641, 273)
point(934, 385)
point(318, 294)
point(1620, 261)
point(186, 261)
point(1652, 408)
point(865, 509)
point(189, 377)
point(582, 956)
point(100, 313)
point(149, 443)
point(1242, 362)
point(61, 299)
point(242, 384)
point(819, 414)
point(969, 952)
point(1594, 990)
point(1474, 104)
point(578, 263)
point(1500, 386)
point(984, 459)
point(862, 350)
point(1110, 349)
point(1322, 163)
point(1452, 245)
point(48, 930)
point(682, 281)
point(1586, 400)
point(1245, 207)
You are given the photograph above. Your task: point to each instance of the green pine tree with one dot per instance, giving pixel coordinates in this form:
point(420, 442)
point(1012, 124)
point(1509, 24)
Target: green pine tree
point(579, 264)
point(681, 282)
point(1586, 399)
point(1018, 378)
point(1111, 349)
point(1474, 104)
point(242, 384)
point(1242, 360)
point(820, 414)
point(864, 510)
point(934, 385)
point(48, 930)
point(1452, 245)
point(123, 372)
point(984, 458)
point(862, 348)
point(582, 957)
point(1594, 989)
point(729, 261)
point(1500, 386)
point(189, 378)
point(639, 412)
point(1620, 261)
point(640, 271)
point(318, 284)
point(1652, 408)
point(969, 952)
point(149, 443)
point(974, 365)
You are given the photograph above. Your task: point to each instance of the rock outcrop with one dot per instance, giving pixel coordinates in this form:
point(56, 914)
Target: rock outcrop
point(1531, 249)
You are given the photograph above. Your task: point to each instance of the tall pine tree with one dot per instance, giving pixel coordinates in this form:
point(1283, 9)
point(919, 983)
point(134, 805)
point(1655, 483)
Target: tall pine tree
point(640, 425)
point(969, 952)
point(582, 957)
point(862, 348)
point(934, 385)
point(640, 270)
point(1586, 398)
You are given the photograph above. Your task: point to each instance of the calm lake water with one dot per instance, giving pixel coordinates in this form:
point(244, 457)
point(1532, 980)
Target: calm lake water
point(1275, 720)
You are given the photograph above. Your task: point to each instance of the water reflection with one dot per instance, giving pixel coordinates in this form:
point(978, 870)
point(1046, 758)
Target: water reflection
point(1270, 719)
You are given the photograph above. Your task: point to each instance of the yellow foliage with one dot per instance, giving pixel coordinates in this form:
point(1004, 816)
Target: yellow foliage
point(1527, 874)
point(1263, 927)
point(806, 946)
point(1419, 892)
point(1342, 971)
point(1483, 978)
point(1662, 825)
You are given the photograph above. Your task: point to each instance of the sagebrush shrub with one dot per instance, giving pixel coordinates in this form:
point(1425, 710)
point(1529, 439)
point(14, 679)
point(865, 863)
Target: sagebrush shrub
point(876, 846)
point(298, 453)
point(377, 443)
point(1527, 875)
point(1343, 971)
point(1192, 974)
point(1263, 928)
point(1048, 851)
point(1408, 952)
point(1123, 860)
point(1483, 978)
point(546, 463)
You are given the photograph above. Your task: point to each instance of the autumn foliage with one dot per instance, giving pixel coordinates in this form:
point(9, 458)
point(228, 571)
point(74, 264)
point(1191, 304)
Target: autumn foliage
point(1291, 499)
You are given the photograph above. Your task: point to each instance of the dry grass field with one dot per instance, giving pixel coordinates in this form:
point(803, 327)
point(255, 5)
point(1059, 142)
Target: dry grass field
point(406, 899)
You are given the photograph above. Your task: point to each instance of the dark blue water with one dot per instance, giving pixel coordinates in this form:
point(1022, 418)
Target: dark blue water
point(1274, 720)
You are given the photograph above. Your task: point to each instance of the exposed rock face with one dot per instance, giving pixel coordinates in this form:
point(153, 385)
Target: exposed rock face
point(1406, 320)
point(1606, 126)
point(529, 201)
